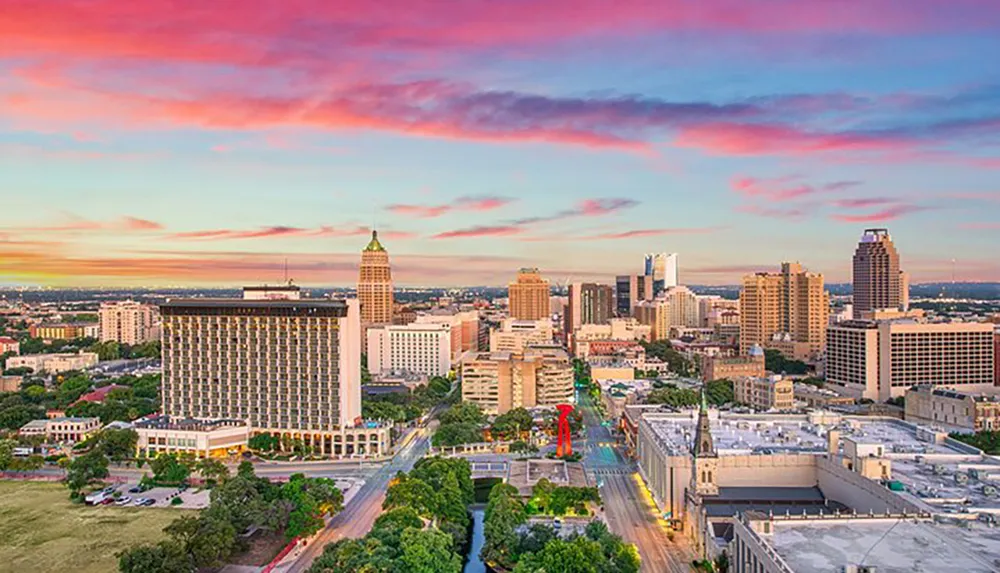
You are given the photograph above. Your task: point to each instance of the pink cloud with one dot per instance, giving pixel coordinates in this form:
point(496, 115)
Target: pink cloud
point(774, 212)
point(267, 232)
point(76, 224)
point(882, 216)
point(476, 203)
point(480, 231)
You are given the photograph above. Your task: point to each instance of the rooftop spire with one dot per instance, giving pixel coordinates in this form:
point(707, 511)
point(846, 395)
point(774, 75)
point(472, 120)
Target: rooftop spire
point(704, 446)
point(374, 244)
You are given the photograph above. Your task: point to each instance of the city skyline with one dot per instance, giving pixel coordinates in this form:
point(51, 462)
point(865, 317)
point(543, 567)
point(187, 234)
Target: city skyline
point(569, 137)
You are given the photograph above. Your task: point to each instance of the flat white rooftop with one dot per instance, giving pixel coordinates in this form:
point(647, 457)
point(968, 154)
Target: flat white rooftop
point(890, 544)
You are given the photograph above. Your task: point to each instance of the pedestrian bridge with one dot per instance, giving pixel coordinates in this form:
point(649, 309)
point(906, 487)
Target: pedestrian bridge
point(488, 469)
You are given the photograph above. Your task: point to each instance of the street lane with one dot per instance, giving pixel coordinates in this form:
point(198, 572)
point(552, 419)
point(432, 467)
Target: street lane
point(628, 512)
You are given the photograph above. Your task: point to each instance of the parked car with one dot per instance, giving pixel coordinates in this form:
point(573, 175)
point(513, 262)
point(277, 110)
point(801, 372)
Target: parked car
point(557, 524)
point(107, 501)
point(110, 489)
point(148, 502)
point(124, 500)
point(96, 498)
point(135, 489)
point(140, 501)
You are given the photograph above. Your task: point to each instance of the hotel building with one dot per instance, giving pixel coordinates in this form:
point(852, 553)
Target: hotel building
point(464, 328)
point(879, 360)
point(286, 367)
point(500, 381)
point(516, 335)
point(420, 348)
point(129, 322)
point(529, 296)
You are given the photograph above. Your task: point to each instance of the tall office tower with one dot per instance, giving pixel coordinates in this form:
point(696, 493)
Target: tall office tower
point(375, 284)
point(675, 307)
point(422, 348)
point(529, 296)
point(589, 303)
point(663, 268)
point(286, 367)
point(876, 274)
point(129, 322)
point(787, 311)
point(630, 290)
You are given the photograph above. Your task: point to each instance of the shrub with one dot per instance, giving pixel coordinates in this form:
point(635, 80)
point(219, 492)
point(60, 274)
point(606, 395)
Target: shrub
point(176, 501)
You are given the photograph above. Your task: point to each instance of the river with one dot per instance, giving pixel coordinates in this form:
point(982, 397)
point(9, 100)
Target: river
point(474, 564)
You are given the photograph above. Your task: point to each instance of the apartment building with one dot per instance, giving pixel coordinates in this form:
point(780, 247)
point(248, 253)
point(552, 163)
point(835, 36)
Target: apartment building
point(500, 381)
point(286, 367)
point(529, 296)
point(415, 347)
point(516, 335)
point(787, 310)
point(588, 303)
point(61, 331)
point(765, 393)
point(54, 363)
point(8, 344)
point(879, 360)
point(675, 307)
point(129, 322)
point(926, 404)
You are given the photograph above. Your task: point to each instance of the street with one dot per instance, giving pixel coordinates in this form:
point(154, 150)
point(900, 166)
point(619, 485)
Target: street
point(629, 513)
point(356, 519)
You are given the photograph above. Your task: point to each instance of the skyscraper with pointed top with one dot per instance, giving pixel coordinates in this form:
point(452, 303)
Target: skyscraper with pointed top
point(375, 284)
point(706, 460)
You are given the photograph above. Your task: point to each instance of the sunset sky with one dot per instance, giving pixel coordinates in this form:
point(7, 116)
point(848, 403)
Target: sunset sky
point(166, 142)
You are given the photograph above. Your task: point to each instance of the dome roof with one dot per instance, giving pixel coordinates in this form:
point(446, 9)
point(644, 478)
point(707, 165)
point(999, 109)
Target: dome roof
point(374, 244)
point(755, 350)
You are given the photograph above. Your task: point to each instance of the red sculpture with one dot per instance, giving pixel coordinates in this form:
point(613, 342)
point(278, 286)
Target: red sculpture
point(565, 446)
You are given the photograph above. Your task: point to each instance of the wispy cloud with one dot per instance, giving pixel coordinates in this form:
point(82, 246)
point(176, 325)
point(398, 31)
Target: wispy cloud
point(585, 208)
point(479, 203)
point(268, 232)
point(71, 223)
point(881, 216)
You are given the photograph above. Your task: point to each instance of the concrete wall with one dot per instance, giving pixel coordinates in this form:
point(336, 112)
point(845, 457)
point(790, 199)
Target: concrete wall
point(857, 492)
point(779, 470)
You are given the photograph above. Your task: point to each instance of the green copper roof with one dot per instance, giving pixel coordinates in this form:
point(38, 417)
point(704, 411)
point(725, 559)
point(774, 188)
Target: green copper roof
point(374, 245)
point(704, 400)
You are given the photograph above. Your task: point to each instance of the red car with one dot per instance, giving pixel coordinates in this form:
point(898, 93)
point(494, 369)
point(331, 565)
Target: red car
point(107, 501)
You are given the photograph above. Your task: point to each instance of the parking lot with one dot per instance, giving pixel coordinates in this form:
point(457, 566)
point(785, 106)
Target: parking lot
point(192, 498)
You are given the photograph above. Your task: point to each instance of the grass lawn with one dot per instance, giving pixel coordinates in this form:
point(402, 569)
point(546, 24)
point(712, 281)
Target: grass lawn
point(41, 531)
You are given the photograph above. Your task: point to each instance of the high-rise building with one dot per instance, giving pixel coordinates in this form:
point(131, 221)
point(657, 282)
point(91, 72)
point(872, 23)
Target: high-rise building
point(879, 360)
point(877, 278)
point(589, 303)
point(420, 348)
point(464, 329)
point(501, 381)
point(787, 311)
point(630, 290)
point(675, 307)
point(286, 367)
point(128, 322)
point(375, 284)
point(529, 296)
point(663, 268)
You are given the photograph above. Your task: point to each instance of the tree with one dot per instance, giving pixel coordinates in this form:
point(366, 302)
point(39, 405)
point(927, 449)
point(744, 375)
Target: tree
point(510, 425)
point(428, 552)
point(541, 494)
point(435, 470)
point(456, 434)
point(108, 350)
point(776, 362)
point(209, 540)
point(165, 557)
point(263, 442)
point(413, 493)
point(118, 445)
point(673, 396)
point(85, 469)
point(212, 470)
point(6, 453)
point(504, 514)
point(28, 464)
point(575, 555)
point(720, 392)
point(239, 500)
point(463, 413)
point(12, 418)
point(168, 469)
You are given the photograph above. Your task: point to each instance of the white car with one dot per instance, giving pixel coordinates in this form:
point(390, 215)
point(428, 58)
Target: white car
point(123, 500)
point(140, 501)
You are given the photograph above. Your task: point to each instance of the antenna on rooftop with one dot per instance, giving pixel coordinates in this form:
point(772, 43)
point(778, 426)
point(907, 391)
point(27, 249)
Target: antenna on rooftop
point(953, 271)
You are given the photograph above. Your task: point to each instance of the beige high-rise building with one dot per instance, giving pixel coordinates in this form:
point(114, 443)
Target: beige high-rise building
point(516, 335)
point(500, 381)
point(286, 367)
point(879, 360)
point(788, 311)
point(128, 322)
point(675, 307)
point(878, 282)
point(375, 284)
point(588, 303)
point(529, 296)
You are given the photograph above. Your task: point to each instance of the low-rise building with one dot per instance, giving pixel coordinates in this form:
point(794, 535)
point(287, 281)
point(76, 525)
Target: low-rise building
point(926, 404)
point(8, 344)
point(203, 438)
point(98, 396)
point(765, 393)
point(732, 367)
point(815, 397)
point(10, 383)
point(63, 331)
point(62, 429)
point(54, 363)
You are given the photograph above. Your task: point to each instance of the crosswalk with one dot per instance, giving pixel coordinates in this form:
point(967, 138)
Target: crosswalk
point(615, 471)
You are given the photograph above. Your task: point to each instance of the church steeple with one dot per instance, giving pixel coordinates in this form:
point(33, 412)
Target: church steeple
point(704, 447)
